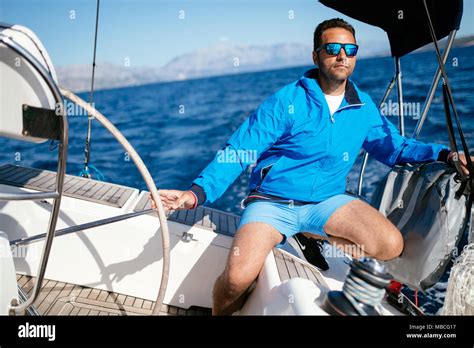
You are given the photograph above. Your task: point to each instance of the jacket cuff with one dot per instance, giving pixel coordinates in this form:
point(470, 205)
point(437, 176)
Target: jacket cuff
point(199, 192)
point(443, 155)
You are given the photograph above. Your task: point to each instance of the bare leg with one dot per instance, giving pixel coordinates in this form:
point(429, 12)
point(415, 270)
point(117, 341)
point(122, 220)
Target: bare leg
point(344, 244)
point(252, 244)
point(361, 224)
point(361, 230)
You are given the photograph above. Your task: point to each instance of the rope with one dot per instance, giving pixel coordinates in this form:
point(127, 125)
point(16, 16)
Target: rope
point(85, 173)
point(448, 96)
point(459, 298)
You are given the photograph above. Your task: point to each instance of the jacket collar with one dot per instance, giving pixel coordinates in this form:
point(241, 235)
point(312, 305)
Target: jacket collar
point(311, 84)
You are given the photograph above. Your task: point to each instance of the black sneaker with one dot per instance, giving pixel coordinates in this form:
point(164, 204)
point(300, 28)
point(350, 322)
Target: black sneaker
point(309, 249)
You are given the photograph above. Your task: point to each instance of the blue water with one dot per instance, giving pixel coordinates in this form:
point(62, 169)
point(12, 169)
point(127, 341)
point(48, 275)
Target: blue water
point(177, 127)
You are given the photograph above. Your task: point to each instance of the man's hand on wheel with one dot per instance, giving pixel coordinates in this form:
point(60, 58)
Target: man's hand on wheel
point(176, 200)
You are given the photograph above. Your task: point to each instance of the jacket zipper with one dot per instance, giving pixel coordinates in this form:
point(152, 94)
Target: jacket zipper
point(334, 120)
point(345, 107)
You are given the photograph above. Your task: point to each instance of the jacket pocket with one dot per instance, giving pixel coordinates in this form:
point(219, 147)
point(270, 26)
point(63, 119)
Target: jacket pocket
point(266, 170)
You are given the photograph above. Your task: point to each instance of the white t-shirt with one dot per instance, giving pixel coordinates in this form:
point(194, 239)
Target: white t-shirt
point(334, 101)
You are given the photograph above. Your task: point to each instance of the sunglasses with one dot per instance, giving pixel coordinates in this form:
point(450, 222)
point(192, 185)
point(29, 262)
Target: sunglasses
point(333, 49)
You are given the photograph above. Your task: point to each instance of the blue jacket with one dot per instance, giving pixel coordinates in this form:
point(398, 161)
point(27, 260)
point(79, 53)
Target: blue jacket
point(301, 151)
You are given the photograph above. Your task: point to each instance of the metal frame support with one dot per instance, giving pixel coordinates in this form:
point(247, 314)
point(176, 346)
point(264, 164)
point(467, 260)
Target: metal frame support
point(28, 196)
point(81, 227)
point(401, 114)
point(62, 158)
point(366, 154)
point(434, 86)
point(426, 106)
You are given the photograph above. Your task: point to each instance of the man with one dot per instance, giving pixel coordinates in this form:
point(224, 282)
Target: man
point(306, 138)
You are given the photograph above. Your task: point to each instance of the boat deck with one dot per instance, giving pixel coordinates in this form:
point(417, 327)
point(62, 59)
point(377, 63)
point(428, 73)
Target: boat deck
point(291, 267)
point(57, 298)
point(74, 186)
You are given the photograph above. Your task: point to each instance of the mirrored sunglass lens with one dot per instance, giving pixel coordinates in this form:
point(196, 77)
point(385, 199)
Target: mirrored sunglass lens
point(351, 50)
point(333, 49)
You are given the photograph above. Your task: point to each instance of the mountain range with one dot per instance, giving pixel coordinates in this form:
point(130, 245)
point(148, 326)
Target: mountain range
point(220, 59)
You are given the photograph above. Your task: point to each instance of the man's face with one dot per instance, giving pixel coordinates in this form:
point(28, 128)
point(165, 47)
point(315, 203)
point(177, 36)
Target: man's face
point(340, 67)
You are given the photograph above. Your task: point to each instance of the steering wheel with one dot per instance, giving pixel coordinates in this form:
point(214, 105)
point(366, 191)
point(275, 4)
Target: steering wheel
point(149, 183)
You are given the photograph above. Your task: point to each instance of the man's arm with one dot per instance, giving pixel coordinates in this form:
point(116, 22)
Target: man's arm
point(386, 145)
point(254, 136)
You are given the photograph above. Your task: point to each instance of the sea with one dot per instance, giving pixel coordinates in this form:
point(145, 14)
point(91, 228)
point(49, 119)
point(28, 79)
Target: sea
point(177, 127)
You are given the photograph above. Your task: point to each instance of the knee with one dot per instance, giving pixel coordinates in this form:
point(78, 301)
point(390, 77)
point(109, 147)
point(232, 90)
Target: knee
point(391, 247)
point(233, 282)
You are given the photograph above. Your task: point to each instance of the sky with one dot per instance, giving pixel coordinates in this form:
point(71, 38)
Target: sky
point(153, 32)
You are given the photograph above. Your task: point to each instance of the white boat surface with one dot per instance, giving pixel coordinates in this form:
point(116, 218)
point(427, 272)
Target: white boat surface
point(100, 270)
point(120, 267)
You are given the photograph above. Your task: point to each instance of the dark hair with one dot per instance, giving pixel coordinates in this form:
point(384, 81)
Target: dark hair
point(328, 24)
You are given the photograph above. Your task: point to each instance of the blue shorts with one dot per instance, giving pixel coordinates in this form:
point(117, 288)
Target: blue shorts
point(290, 220)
